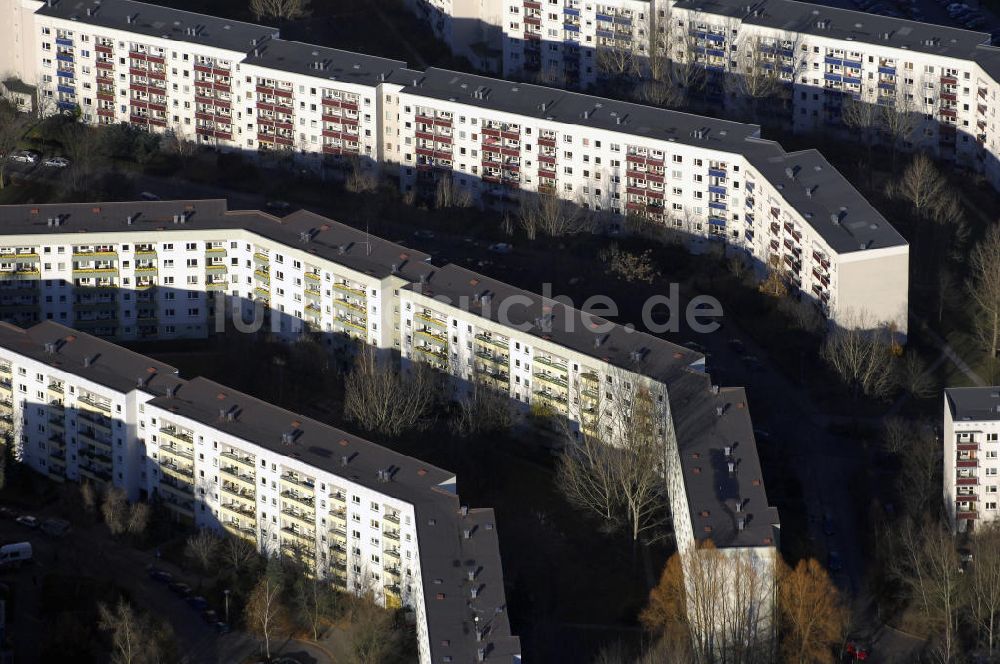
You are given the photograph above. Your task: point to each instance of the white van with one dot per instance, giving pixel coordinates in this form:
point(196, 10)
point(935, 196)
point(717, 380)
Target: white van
point(15, 554)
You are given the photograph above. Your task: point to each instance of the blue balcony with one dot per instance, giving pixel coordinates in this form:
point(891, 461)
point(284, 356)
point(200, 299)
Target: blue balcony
point(699, 35)
point(717, 221)
point(749, 235)
point(715, 189)
point(66, 89)
point(605, 33)
point(64, 57)
point(886, 86)
point(852, 64)
point(891, 71)
point(833, 77)
point(62, 41)
point(856, 80)
point(749, 218)
point(623, 20)
point(833, 61)
point(717, 172)
point(66, 105)
point(786, 69)
point(716, 205)
point(569, 11)
point(718, 68)
point(718, 39)
point(716, 52)
point(604, 17)
point(65, 73)
point(750, 187)
point(571, 28)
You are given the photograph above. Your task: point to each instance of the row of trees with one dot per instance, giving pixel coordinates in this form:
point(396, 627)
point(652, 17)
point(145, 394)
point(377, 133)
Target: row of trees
point(715, 606)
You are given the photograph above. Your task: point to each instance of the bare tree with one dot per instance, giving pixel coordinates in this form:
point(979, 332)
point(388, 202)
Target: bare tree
point(138, 518)
point(863, 358)
point(550, 215)
point(13, 126)
point(628, 266)
point(984, 286)
point(811, 613)
point(614, 465)
point(899, 120)
point(174, 142)
point(88, 497)
point(913, 376)
point(449, 195)
point(315, 602)
point(135, 638)
point(380, 398)
point(617, 63)
point(984, 583)
point(361, 180)
point(277, 9)
point(201, 548)
point(922, 185)
point(897, 434)
point(721, 603)
point(374, 637)
point(757, 74)
point(485, 408)
point(264, 613)
point(928, 567)
point(239, 554)
point(864, 117)
point(114, 509)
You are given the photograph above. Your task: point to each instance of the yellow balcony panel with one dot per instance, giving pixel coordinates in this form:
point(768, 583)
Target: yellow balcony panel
point(558, 365)
point(313, 276)
point(391, 553)
point(299, 498)
point(353, 325)
point(240, 510)
point(261, 275)
point(233, 490)
point(558, 381)
point(215, 250)
point(151, 269)
point(349, 306)
point(215, 285)
point(262, 293)
point(174, 434)
point(85, 253)
point(502, 344)
point(261, 257)
point(93, 475)
point(303, 536)
point(93, 405)
point(314, 293)
point(235, 474)
point(349, 289)
point(302, 518)
point(19, 274)
point(299, 482)
point(215, 267)
point(431, 354)
point(145, 252)
point(240, 530)
point(430, 320)
point(246, 461)
point(438, 339)
point(181, 473)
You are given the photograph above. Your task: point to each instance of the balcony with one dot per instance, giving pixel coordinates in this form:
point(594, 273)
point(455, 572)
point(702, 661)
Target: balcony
point(235, 473)
point(298, 481)
point(177, 434)
point(299, 498)
point(247, 460)
point(305, 518)
point(178, 452)
point(234, 490)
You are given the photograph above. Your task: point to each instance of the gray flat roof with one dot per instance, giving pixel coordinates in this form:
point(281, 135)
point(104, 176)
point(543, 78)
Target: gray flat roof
point(818, 192)
point(717, 497)
point(558, 323)
point(974, 403)
point(330, 240)
point(161, 22)
point(829, 190)
point(569, 107)
point(89, 357)
point(845, 24)
point(301, 58)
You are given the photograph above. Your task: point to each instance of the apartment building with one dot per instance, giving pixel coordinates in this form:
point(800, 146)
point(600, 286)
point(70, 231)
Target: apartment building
point(367, 518)
point(575, 44)
point(971, 445)
point(156, 68)
point(470, 28)
point(708, 179)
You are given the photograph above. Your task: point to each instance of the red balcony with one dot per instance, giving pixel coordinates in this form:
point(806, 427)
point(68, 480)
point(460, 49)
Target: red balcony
point(546, 173)
point(495, 133)
point(105, 65)
point(106, 112)
point(103, 49)
point(967, 446)
point(967, 515)
point(967, 481)
point(275, 92)
point(967, 463)
point(441, 122)
point(106, 96)
point(639, 191)
point(550, 142)
point(949, 80)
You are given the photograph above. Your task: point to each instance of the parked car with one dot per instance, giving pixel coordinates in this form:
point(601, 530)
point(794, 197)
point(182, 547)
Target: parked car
point(24, 156)
point(198, 603)
point(56, 162)
point(857, 651)
point(55, 527)
point(501, 248)
point(182, 590)
point(27, 521)
point(221, 627)
point(149, 196)
point(12, 555)
point(160, 575)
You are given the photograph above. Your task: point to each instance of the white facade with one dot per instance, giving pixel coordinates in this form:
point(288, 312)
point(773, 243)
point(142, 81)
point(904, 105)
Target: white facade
point(971, 466)
point(76, 417)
